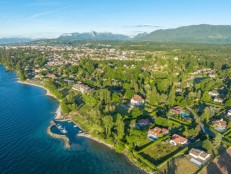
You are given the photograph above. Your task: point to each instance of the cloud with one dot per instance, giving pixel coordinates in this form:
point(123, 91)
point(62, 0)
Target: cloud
point(37, 15)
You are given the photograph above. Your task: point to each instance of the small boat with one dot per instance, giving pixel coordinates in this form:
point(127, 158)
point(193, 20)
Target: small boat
point(59, 126)
point(75, 126)
point(63, 130)
point(69, 121)
point(80, 131)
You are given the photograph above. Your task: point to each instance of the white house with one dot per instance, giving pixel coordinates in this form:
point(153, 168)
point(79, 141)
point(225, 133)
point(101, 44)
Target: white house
point(199, 157)
point(213, 93)
point(137, 100)
point(218, 100)
point(177, 139)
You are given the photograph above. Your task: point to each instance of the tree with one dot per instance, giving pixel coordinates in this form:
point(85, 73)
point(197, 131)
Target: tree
point(108, 124)
point(171, 97)
point(228, 102)
point(89, 100)
point(115, 98)
point(206, 115)
point(207, 145)
point(136, 112)
point(135, 136)
point(161, 121)
point(119, 126)
point(217, 140)
point(206, 97)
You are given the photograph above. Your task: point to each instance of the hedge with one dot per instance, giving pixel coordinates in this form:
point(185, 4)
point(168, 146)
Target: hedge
point(154, 143)
point(152, 166)
point(171, 157)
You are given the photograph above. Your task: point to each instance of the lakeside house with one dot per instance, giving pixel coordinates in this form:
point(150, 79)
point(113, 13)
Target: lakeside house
point(141, 123)
point(137, 100)
point(176, 110)
point(198, 156)
point(213, 93)
point(81, 87)
point(156, 132)
point(220, 125)
point(177, 139)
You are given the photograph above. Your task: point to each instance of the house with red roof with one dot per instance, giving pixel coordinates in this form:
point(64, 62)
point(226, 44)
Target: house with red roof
point(156, 132)
point(177, 139)
point(137, 100)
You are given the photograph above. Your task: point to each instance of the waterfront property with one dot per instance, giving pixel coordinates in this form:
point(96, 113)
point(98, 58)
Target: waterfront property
point(81, 87)
point(157, 132)
point(177, 139)
point(137, 100)
point(199, 157)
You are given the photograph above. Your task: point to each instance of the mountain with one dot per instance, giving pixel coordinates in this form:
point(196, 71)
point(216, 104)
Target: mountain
point(195, 33)
point(14, 40)
point(93, 36)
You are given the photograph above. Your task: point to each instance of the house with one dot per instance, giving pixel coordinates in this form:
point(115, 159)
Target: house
point(156, 132)
point(179, 90)
point(218, 100)
point(199, 157)
point(51, 76)
point(177, 139)
point(137, 100)
point(229, 112)
point(143, 123)
point(176, 110)
point(81, 87)
point(213, 93)
point(220, 125)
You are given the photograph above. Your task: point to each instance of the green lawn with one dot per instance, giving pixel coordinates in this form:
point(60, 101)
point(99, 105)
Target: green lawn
point(179, 165)
point(159, 152)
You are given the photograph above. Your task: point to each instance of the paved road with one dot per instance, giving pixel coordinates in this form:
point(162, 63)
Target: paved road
point(204, 128)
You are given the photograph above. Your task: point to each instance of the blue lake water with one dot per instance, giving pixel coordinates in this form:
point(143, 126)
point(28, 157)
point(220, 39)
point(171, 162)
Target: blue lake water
point(25, 147)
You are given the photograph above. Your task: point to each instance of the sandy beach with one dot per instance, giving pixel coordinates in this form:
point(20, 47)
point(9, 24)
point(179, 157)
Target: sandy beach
point(33, 84)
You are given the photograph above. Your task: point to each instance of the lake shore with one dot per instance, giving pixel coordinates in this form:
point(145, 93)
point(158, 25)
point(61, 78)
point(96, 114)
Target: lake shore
point(58, 116)
point(86, 135)
point(58, 113)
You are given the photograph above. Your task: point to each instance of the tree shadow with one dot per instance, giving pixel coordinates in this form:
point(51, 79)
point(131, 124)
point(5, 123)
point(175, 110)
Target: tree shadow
point(171, 167)
point(225, 161)
point(212, 168)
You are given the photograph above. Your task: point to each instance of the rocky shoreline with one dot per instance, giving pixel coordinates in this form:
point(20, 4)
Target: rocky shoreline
point(65, 138)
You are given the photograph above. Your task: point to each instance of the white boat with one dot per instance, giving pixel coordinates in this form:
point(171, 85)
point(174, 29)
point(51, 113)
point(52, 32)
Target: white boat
point(75, 126)
point(63, 130)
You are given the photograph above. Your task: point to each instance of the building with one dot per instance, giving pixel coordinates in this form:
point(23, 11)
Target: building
point(213, 93)
point(176, 110)
point(220, 125)
point(157, 132)
point(229, 112)
point(81, 87)
point(218, 100)
point(137, 100)
point(177, 139)
point(199, 157)
point(142, 123)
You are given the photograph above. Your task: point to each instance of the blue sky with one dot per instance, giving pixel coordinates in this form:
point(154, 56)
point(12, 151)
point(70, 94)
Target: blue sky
point(50, 18)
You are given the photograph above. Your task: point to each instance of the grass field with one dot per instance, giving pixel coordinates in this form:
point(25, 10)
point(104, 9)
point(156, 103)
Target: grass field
point(179, 165)
point(158, 153)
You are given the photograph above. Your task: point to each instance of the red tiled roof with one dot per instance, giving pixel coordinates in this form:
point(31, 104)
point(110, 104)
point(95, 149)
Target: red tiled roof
point(178, 139)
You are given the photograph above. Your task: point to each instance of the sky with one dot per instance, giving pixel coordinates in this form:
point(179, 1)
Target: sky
point(51, 18)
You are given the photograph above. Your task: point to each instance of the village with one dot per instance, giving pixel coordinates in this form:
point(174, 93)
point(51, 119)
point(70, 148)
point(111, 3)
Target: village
point(165, 115)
